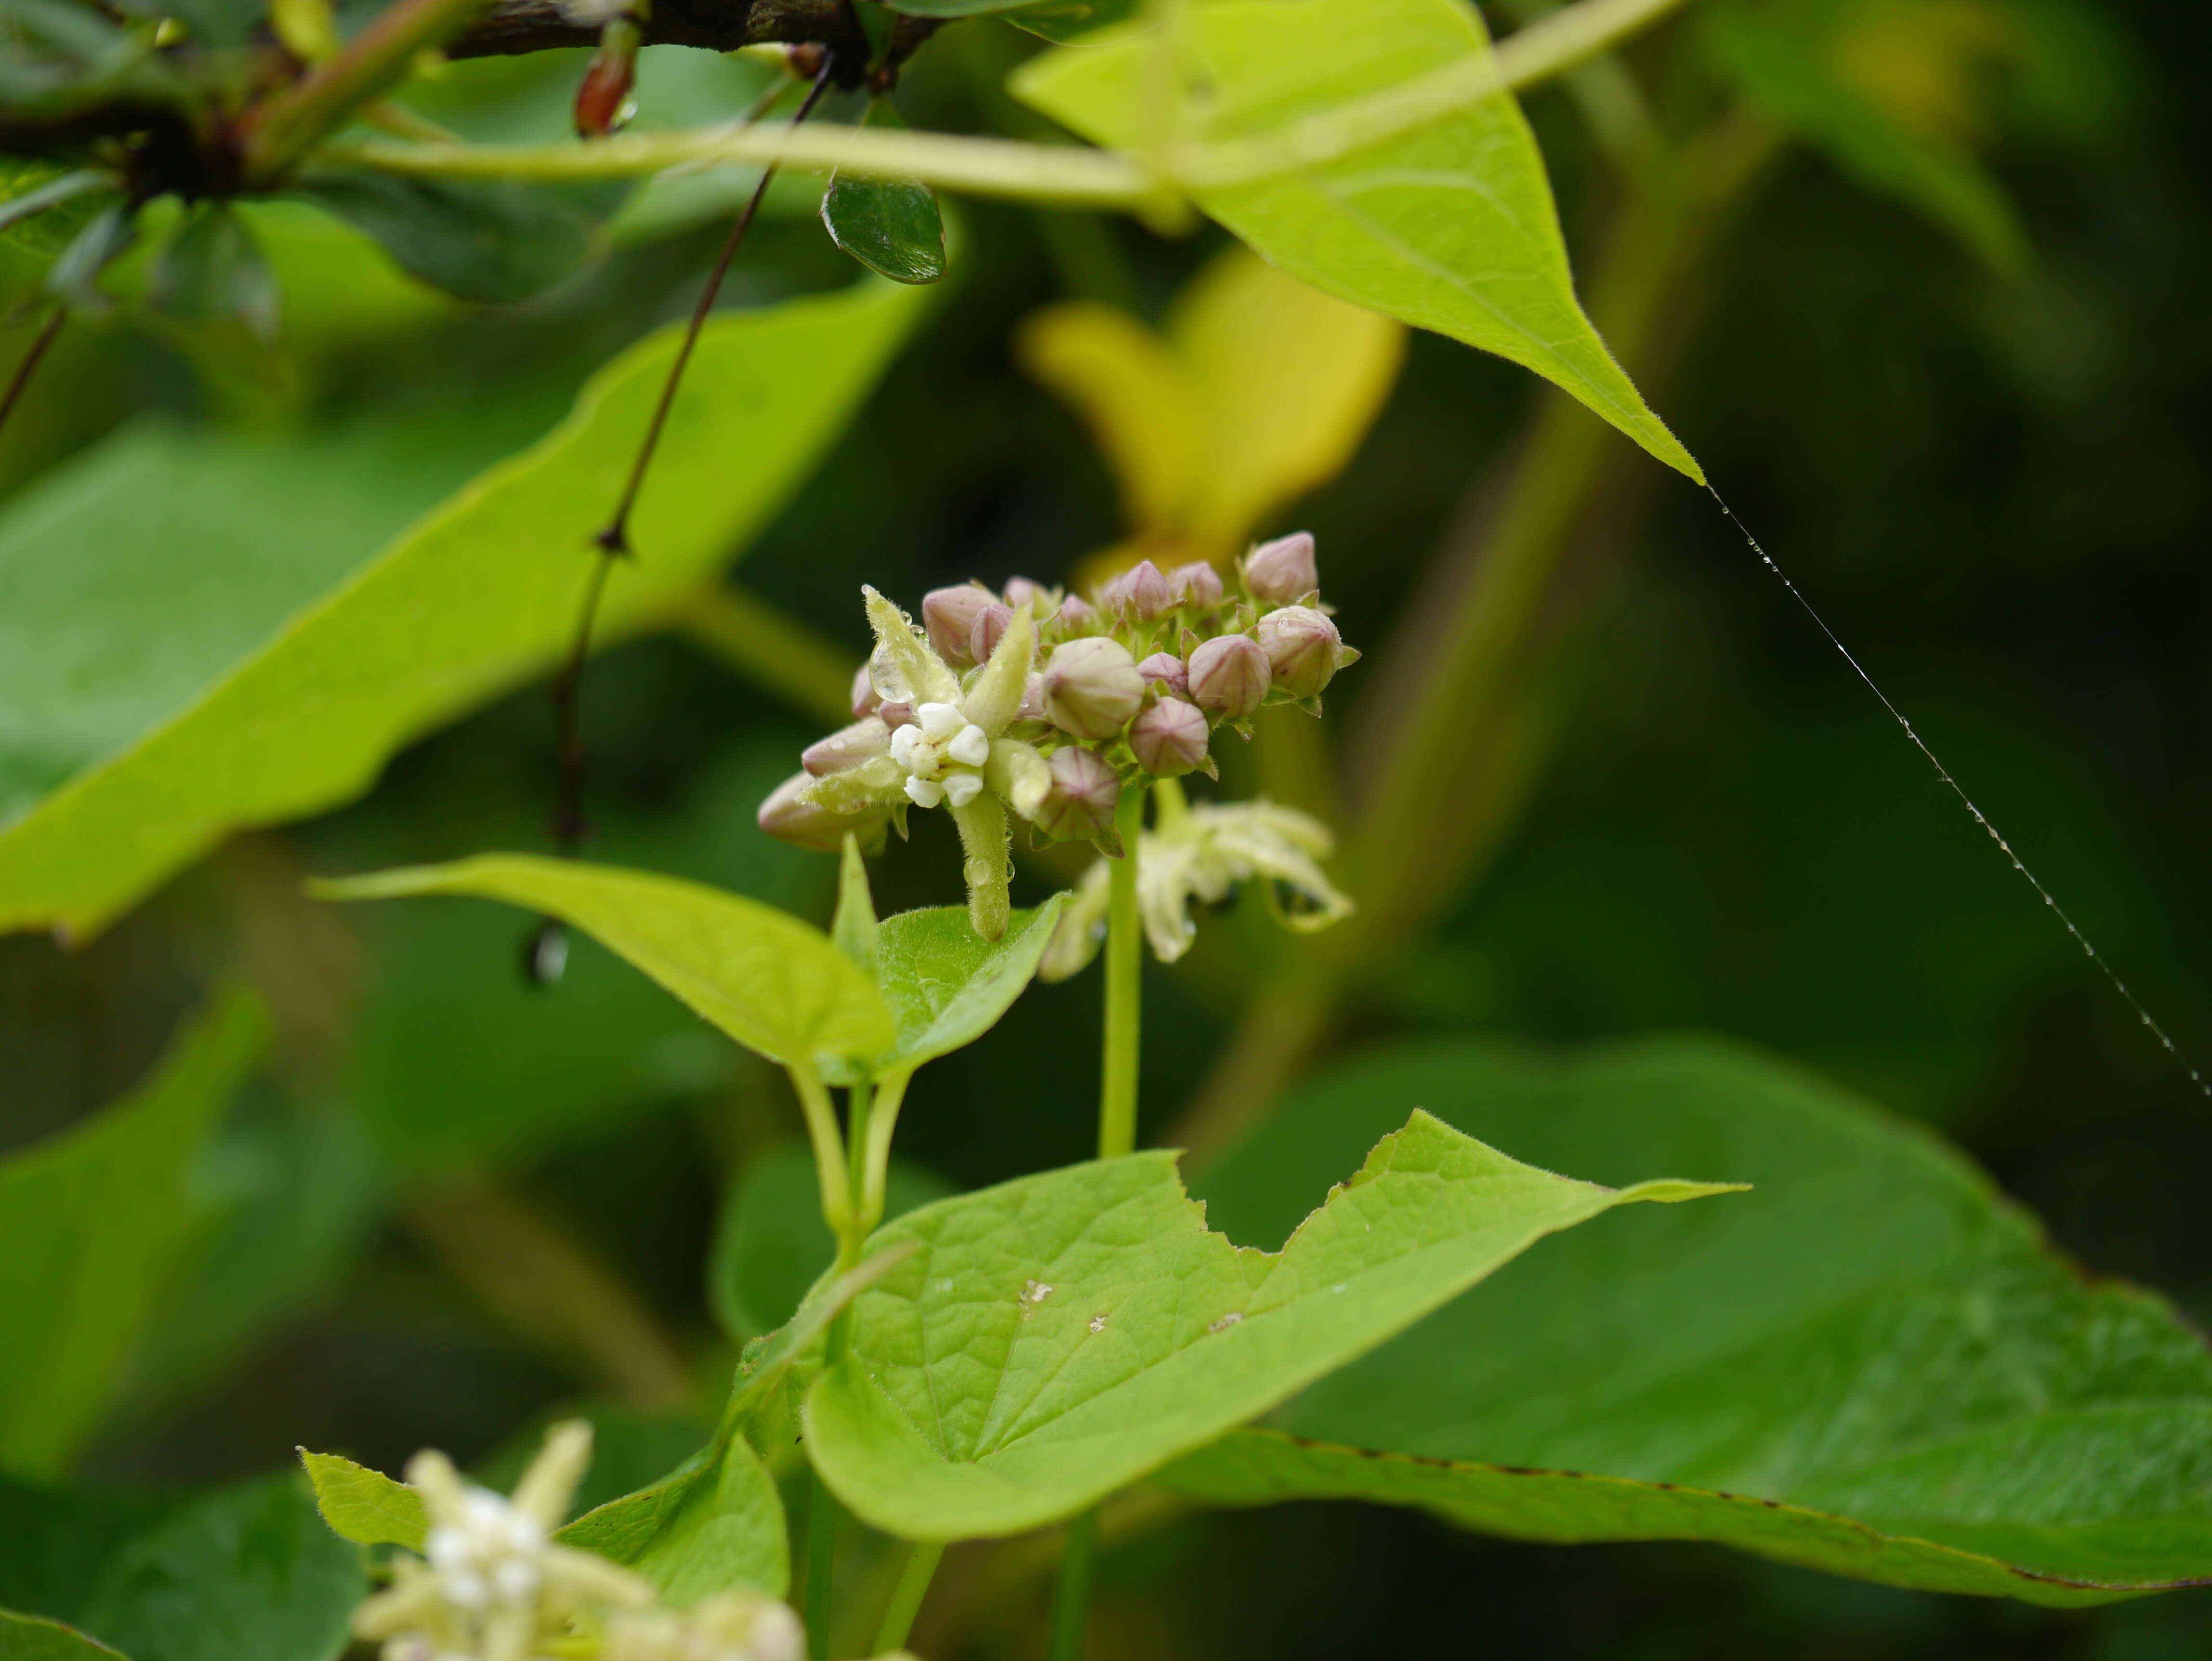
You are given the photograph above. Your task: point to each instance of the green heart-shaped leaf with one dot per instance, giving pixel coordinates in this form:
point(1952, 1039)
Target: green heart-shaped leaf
point(1056, 1338)
point(1872, 1365)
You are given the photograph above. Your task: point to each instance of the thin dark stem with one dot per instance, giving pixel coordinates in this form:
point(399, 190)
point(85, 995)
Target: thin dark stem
point(615, 540)
point(570, 826)
point(24, 370)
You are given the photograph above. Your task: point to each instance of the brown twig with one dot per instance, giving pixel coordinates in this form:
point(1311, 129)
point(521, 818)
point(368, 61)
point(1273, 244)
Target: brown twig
point(570, 826)
point(24, 370)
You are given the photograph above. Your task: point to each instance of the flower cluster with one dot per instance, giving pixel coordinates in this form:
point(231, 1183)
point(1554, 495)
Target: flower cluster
point(1047, 704)
point(493, 1586)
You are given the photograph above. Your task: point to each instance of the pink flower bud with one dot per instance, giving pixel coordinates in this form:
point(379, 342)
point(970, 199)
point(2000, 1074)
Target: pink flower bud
point(1141, 588)
point(894, 716)
point(1282, 572)
point(1196, 585)
point(789, 816)
point(1077, 616)
point(864, 693)
point(1021, 591)
point(1169, 737)
point(1032, 705)
point(1304, 649)
point(847, 748)
point(1092, 687)
point(983, 634)
point(1229, 676)
point(1082, 798)
point(1165, 669)
point(950, 613)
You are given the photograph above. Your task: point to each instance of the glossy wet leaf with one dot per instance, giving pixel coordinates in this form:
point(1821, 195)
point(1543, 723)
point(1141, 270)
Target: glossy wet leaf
point(892, 226)
point(35, 1637)
point(945, 985)
point(1450, 226)
point(1057, 1337)
point(1870, 1365)
point(489, 239)
point(311, 691)
point(102, 1211)
point(773, 984)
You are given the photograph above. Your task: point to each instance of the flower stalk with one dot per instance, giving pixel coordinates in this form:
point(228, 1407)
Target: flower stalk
point(1124, 962)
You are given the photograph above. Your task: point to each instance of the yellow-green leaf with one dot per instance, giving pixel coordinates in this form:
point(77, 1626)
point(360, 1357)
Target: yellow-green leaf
point(773, 984)
point(1448, 225)
point(478, 597)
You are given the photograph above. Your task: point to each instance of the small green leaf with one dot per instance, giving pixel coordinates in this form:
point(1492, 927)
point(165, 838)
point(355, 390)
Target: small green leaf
point(773, 984)
point(366, 1506)
point(43, 207)
point(212, 270)
point(853, 928)
point(889, 225)
point(713, 1522)
point(1872, 1365)
point(246, 1574)
point(771, 1245)
point(74, 277)
point(716, 1520)
point(945, 984)
point(303, 701)
point(102, 1211)
point(1059, 1337)
point(492, 240)
point(34, 1637)
point(1450, 226)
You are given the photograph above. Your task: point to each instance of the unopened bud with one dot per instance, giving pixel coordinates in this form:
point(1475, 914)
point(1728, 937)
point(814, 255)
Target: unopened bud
point(949, 616)
point(1077, 616)
point(1169, 737)
point(894, 714)
point(1165, 669)
point(790, 815)
point(1032, 705)
point(1304, 649)
point(1082, 797)
point(864, 700)
point(848, 747)
point(603, 105)
point(1229, 676)
point(1197, 585)
point(1282, 572)
point(1021, 591)
point(1092, 687)
point(1141, 589)
point(984, 633)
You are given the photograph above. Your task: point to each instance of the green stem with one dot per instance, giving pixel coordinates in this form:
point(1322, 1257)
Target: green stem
point(858, 1102)
point(830, 1170)
point(913, 1586)
point(281, 130)
point(876, 1158)
point(821, 1565)
point(1071, 1610)
point(1125, 965)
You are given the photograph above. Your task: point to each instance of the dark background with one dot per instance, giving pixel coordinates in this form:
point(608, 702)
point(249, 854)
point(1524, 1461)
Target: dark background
point(1995, 490)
